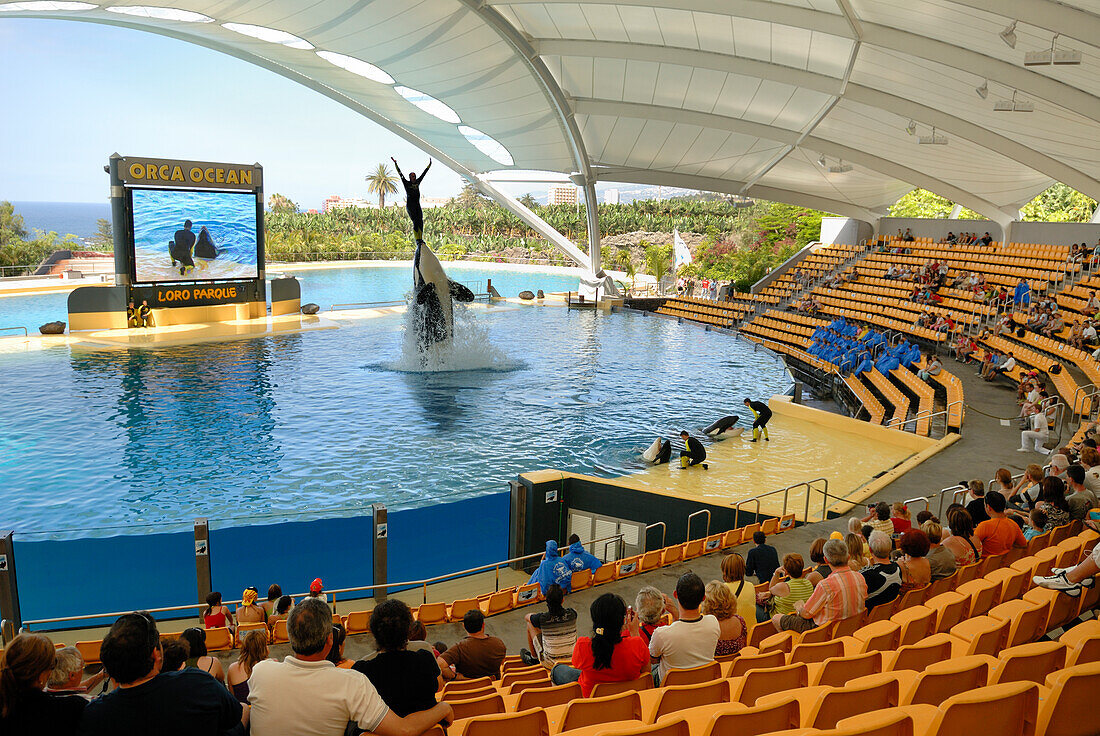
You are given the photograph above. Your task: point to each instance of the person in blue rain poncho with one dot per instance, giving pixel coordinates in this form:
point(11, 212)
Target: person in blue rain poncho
point(553, 569)
point(578, 558)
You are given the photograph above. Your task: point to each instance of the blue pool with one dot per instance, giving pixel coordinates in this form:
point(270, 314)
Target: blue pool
point(325, 286)
point(100, 442)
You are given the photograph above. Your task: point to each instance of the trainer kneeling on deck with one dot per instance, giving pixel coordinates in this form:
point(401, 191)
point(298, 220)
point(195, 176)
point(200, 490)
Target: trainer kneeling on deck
point(694, 453)
point(761, 414)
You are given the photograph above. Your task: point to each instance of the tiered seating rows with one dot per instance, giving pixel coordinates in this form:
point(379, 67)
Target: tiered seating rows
point(892, 289)
point(969, 638)
point(1063, 382)
point(887, 317)
point(908, 310)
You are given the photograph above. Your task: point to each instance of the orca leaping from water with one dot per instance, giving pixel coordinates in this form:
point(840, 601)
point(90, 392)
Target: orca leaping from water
point(433, 299)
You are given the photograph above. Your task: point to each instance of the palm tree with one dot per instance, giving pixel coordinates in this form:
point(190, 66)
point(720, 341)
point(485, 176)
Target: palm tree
point(382, 182)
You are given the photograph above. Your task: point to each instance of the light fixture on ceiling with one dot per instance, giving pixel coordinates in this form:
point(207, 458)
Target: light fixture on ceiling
point(1008, 35)
point(983, 91)
point(822, 162)
point(840, 168)
point(1052, 56)
point(1014, 105)
point(932, 140)
point(911, 128)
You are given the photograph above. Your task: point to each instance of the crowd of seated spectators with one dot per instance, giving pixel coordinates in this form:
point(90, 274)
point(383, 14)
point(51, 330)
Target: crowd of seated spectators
point(853, 349)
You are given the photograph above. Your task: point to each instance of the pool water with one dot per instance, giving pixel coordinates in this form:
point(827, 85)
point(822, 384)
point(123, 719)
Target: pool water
point(325, 287)
point(96, 442)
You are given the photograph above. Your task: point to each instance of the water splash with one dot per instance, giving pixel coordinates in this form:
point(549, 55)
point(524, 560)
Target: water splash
point(470, 349)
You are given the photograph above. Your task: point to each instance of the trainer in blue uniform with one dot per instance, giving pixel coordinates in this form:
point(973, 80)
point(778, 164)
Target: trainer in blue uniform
point(579, 558)
point(553, 569)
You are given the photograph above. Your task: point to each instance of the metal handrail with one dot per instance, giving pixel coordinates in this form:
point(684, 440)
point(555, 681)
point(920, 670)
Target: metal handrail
point(698, 513)
point(915, 500)
point(809, 484)
point(929, 414)
point(356, 589)
point(25, 334)
point(664, 530)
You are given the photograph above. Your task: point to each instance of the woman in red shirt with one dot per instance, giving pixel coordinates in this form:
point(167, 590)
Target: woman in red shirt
point(613, 653)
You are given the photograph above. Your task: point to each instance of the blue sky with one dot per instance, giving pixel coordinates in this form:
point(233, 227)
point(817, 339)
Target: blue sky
point(73, 93)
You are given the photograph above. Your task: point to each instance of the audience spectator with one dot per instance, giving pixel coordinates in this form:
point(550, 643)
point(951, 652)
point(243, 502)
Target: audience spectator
point(733, 630)
point(857, 552)
point(317, 590)
point(578, 558)
point(652, 605)
point(839, 596)
point(1071, 581)
point(916, 570)
point(933, 367)
point(883, 576)
point(608, 655)
point(998, 534)
point(941, 562)
point(878, 517)
point(789, 588)
point(900, 518)
point(282, 610)
point(25, 708)
point(174, 654)
point(690, 641)
point(215, 615)
point(418, 640)
point(1003, 482)
point(552, 570)
point(198, 657)
point(551, 634)
point(976, 505)
point(308, 694)
point(763, 559)
point(962, 543)
point(1090, 461)
point(68, 678)
point(147, 701)
point(336, 651)
point(253, 650)
point(250, 611)
point(1036, 523)
point(1034, 438)
point(817, 556)
point(1081, 500)
point(478, 655)
point(733, 573)
point(1026, 492)
point(406, 680)
point(274, 593)
point(923, 516)
point(1052, 500)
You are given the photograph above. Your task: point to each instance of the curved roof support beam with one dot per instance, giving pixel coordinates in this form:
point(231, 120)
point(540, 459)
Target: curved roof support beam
point(727, 186)
point(556, 239)
point(792, 139)
point(1053, 16)
point(824, 84)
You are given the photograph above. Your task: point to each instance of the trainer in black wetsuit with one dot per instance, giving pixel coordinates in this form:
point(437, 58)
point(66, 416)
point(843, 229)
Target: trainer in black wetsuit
point(180, 247)
point(694, 452)
point(762, 414)
point(412, 198)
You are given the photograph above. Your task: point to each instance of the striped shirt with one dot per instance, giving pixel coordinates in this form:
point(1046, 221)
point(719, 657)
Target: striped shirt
point(801, 590)
point(837, 597)
point(886, 526)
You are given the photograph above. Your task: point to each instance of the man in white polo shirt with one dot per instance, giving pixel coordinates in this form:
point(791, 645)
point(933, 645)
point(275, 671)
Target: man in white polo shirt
point(307, 695)
point(689, 642)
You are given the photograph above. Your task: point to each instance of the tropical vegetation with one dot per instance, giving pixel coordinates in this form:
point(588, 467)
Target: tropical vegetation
point(20, 251)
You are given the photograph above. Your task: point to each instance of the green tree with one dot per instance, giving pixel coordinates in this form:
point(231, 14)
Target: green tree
point(382, 182)
point(1059, 203)
point(469, 197)
point(103, 238)
point(658, 260)
point(923, 203)
point(281, 203)
point(12, 229)
point(528, 201)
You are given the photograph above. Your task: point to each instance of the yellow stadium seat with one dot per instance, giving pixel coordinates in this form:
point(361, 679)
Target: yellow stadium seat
point(473, 694)
point(527, 594)
point(756, 683)
point(604, 574)
point(1070, 709)
point(547, 697)
point(625, 706)
point(603, 689)
point(485, 705)
point(746, 662)
point(1028, 662)
point(940, 680)
point(734, 718)
point(1028, 619)
point(89, 651)
point(1009, 709)
point(1082, 643)
point(581, 579)
point(837, 671)
point(432, 613)
point(674, 726)
point(813, 653)
point(950, 609)
point(498, 602)
point(1063, 608)
point(889, 722)
point(680, 697)
point(870, 693)
point(628, 566)
point(671, 555)
point(984, 594)
point(919, 656)
point(917, 622)
point(979, 635)
point(357, 622)
point(458, 609)
point(278, 634)
point(693, 676)
point(457, 686)
point(243, 629)
point(529, 722)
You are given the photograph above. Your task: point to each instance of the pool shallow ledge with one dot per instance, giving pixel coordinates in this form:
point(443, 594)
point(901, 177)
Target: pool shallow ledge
point(907, 451)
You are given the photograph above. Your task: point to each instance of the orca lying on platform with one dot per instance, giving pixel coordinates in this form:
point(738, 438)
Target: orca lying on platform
point(433, 298)
point(724, 428)
point(659, 452)
point(204, 247)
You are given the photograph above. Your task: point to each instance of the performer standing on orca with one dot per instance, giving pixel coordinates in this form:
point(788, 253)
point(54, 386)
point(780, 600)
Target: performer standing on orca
point(412, 198)
point(762, 414)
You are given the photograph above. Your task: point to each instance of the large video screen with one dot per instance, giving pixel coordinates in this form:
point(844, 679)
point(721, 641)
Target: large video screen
point(193, 235)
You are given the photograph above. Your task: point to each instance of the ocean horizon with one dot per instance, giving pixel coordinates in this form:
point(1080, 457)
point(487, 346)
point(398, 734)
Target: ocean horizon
point(64, 218)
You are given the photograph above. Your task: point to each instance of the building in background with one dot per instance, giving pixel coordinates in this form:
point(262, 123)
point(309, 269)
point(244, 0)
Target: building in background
point(430, 202)
point(562, 194)
point(336, 202)
point(611, 196)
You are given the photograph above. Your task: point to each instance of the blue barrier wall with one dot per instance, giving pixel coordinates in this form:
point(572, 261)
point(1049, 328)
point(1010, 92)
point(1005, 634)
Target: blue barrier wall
point(339, 551)
point(104, 574)
point(435, 540)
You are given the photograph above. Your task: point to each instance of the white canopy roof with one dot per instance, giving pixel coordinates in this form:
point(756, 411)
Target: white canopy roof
point(740, 96)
